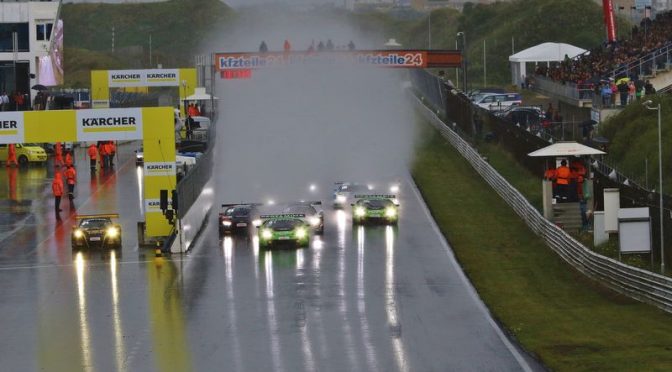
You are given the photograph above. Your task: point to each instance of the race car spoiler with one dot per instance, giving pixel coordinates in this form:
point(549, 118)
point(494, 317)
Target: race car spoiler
point(240, 204)
point(282, 215)
point(316, 202)
point(90, 216)
point(375, 196)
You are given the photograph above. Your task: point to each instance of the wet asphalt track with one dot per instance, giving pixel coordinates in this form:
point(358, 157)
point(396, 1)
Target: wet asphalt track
point(371, 298)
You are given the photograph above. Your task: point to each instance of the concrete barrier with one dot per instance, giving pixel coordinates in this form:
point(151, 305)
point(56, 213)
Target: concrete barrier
point(193, 222)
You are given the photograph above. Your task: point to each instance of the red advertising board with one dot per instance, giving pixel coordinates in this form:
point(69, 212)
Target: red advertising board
point(378, 58)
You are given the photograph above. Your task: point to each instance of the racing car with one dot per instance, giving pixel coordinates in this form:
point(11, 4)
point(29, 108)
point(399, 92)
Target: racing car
point(314, 217)
point(96, 230)
point(345, 191)
point(236, 218)
point(283, 228)
point(375, 208)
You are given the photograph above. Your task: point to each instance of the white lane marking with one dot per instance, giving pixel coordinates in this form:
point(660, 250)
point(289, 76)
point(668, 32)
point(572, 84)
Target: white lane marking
point(470, 288)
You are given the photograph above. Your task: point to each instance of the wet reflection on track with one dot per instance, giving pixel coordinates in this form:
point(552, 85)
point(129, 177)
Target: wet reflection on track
point(314, 315)
point(85, 333)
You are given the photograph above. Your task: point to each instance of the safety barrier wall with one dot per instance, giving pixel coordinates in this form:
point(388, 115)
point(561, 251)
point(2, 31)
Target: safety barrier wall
point(633, 282)
point(195, 193)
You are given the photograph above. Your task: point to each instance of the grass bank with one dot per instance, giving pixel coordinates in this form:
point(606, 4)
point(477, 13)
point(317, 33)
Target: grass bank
point(568, 321)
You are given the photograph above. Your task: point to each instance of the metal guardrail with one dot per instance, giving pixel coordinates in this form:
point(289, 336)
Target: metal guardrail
point(636, 283)
point(577, 92)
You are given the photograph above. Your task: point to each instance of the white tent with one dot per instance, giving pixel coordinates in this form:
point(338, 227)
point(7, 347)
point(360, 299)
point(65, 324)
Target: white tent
point(199, 95)
point(568, 148)
point(545, 52)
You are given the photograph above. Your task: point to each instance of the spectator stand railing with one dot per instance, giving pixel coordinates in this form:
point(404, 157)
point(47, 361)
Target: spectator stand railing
point(636, 283)
point(579, 94)
point(647, 65)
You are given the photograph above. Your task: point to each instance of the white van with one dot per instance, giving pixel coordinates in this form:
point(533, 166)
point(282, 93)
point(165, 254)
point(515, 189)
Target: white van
point(499, 101)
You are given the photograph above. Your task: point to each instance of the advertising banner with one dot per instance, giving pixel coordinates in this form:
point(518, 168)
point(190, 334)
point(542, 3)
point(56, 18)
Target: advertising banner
point(379, 58)
point(154, 205)
point(109, 124)
point(12, 127)
point(143, 78)
point(159, 169)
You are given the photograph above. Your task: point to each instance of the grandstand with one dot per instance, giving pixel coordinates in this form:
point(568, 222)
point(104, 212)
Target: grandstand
point(578, 84)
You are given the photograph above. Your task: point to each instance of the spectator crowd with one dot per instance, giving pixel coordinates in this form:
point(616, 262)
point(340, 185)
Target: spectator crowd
point(592, 67)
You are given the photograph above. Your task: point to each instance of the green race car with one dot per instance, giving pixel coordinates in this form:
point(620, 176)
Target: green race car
point(283, 228)
point(375, 208)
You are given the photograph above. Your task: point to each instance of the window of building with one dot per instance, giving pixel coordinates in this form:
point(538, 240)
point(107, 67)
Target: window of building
point(43, 30)
point(6, 36)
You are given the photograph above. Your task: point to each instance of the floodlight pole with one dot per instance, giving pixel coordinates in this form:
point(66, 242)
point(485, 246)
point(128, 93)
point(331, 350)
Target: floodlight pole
point(660, 184)
point(464, 59)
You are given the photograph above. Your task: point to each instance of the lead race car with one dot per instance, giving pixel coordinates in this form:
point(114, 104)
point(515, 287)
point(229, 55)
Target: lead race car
point(314, 215)
point(96, 230)
point(283, 228)
point(375, 208)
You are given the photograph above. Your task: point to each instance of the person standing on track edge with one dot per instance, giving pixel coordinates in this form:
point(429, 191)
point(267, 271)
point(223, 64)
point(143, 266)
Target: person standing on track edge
point(58, 152)
point(57, 189)
point(562, 175)
point(71, 177)
point(113, 151)
point(107, 154)
point(11, 155)
point(93, 154)
point(68, 159)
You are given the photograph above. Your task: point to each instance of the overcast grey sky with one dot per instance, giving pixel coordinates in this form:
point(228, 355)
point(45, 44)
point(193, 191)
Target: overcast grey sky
point(233, 3)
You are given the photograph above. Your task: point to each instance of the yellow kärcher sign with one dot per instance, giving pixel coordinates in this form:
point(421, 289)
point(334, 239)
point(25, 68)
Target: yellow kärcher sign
point(154, 125)
point(102, 80)
point(144, 78)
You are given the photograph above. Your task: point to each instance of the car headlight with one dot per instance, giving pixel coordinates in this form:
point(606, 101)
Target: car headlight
point(300, 233)
point(79, 234)
point(112, 232)
point(314, 221)
point(256, 223)
point(341, 199)
point(138, 156)
point(266, 234)
point(360, 211)
point(390, 212)
point(226, 223)
point(394, 189)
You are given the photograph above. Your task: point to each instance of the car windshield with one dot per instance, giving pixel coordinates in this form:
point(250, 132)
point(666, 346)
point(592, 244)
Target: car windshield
point(353, 188)
point(96, 223)
point(238, 212)
point(283, 224)
point(375, 203)
point(300, 209)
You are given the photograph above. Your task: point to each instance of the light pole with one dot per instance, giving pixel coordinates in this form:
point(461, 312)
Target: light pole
point(660, 182)
point(429, 30)
point(464, 59)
